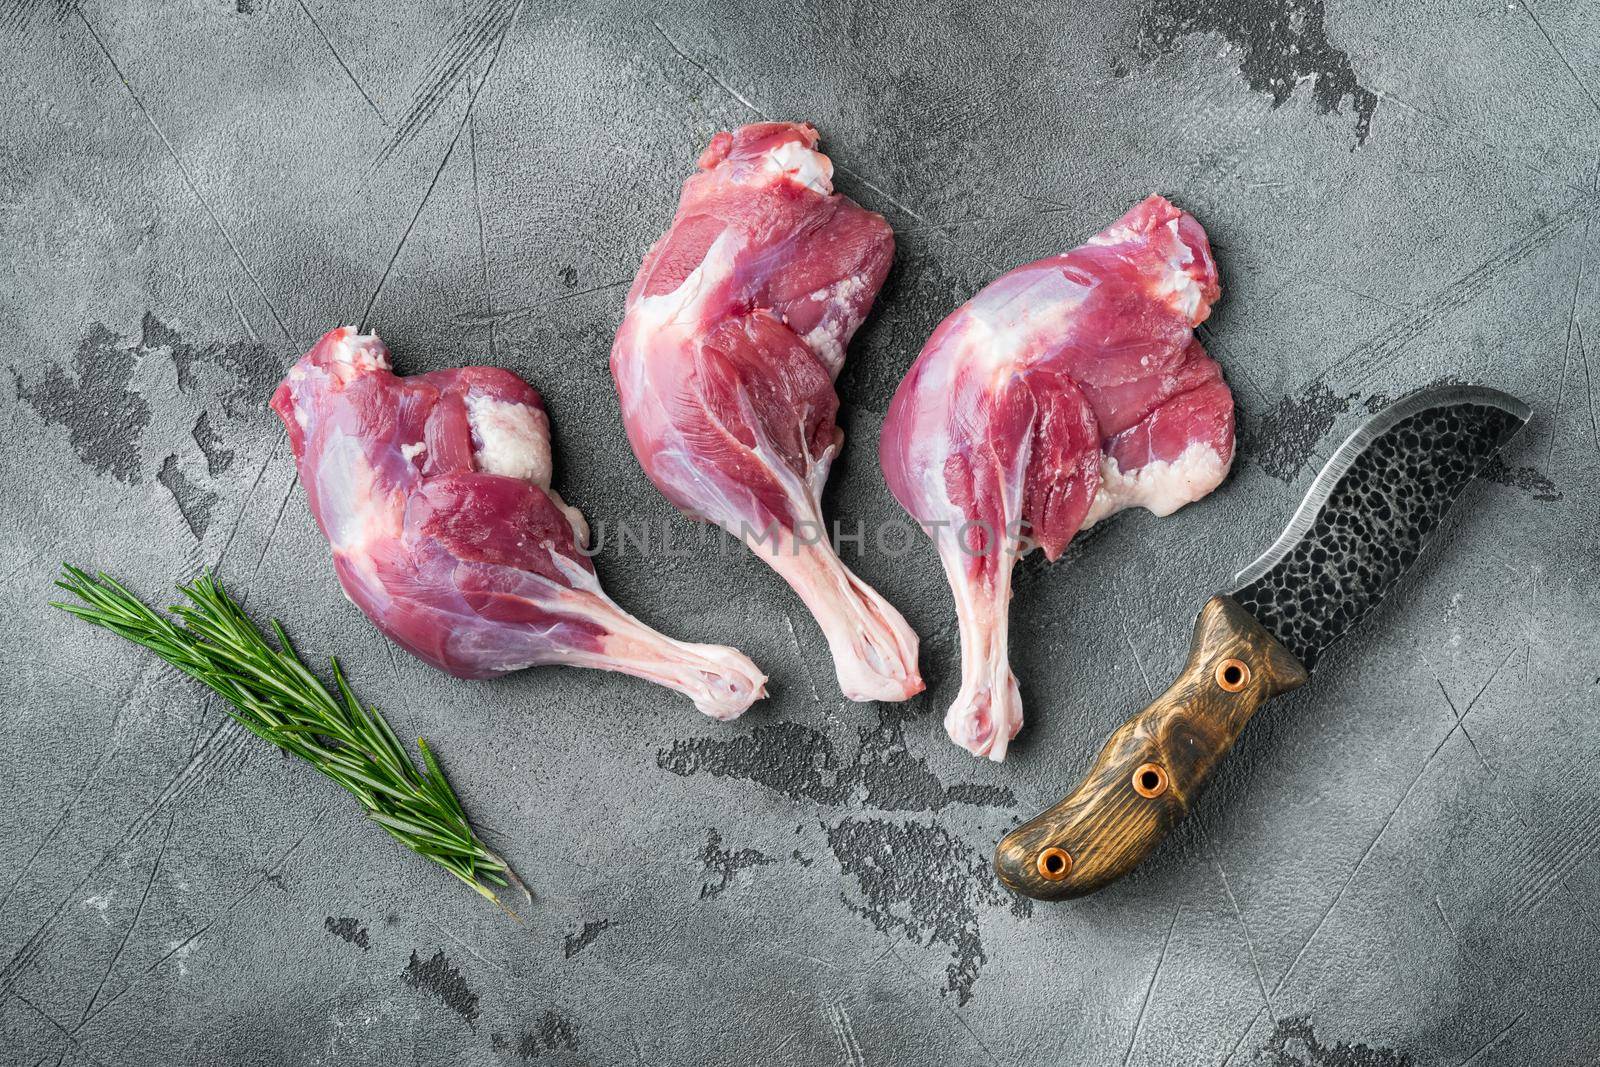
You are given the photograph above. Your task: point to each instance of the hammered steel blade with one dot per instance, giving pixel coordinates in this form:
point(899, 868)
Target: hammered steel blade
point(1370, 512)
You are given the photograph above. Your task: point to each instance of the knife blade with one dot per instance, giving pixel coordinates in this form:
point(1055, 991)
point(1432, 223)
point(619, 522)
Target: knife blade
point(1362, 524)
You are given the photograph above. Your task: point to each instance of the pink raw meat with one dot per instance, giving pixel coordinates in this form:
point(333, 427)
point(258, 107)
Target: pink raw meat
point(434, 492)
point(1065, 391)
point(725, 361)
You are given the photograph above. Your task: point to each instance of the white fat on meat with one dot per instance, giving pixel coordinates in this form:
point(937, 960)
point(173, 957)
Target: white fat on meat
point(513, 440)
point(510, 439)
point(801, 165)
point(1160, 486)
point(358, 353)
point(1178, 283)
point(827, 338)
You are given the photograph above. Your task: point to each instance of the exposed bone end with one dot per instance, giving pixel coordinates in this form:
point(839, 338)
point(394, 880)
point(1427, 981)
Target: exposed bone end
point(721, 681)
point(987, 713)
point(728, 684)
point(877, 658)
point(874, 649)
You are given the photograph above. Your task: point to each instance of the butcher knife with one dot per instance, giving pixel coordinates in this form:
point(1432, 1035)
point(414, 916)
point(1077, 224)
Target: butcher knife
point(1363, 522)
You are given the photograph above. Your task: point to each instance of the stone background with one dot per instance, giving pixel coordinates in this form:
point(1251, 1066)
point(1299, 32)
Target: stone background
point(1396, 866)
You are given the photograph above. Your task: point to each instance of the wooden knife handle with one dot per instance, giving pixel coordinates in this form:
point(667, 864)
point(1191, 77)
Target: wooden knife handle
point(1155, 764)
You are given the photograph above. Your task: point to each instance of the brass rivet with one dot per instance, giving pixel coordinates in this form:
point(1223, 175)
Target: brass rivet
point(1053, 864)
point(1150, 780)
point(1233, 674)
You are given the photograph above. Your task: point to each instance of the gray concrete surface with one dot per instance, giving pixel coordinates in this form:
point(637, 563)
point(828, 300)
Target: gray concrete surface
point(1397, 865)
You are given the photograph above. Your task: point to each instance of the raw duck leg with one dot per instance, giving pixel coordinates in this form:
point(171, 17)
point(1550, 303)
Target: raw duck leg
point(725, 361)
point(434, 491)
point(1065, 391)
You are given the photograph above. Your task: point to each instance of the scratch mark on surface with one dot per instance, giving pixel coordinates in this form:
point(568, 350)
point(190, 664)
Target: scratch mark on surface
point(1360, 863)
point(955, 1014)
point(1234, 1051)
point(1492, 676)
point(1579, 82)
point(1460, 720)
point(1396, 337)
point(394, 668)
point(244, 322)
point(1128, 637)
point(244, 506)
point(1588, 381)
point(1566, 357)
point(886, 196)
point(1495, 1040)
point(1554, 856)
point(190, 939)
point(483, 240)
point(472, 102)
point(266, 546)
point(383, 279)
point(1473, 141)
point(466, 46)
point(337, 58)
point(844, 1032)
point(1249, 941)
point(1437, 903)
point(187, 177)
point(760, 114)
point(800, 654)
point(113, 737)
point(56, 1025)
point(138, 910)
point(1213, 343)
point(513, 314)
point(471, 951)
point(708, 72)
point(1144, 1005)
point(176, 787)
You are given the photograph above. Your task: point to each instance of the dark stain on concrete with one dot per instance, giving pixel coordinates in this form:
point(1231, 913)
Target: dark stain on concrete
point(250, 374)
point(920, 881)
point(804, 764)
point(194, 501)
point(1294, 1044)
point(350, 930)
point(103, 416)
point(440, 978)
point(1282, 444)
point(724, 865)
point(1530, 480)
point(1280, 44)
point(555, 1032)
point(206, 438)
point(581, 940)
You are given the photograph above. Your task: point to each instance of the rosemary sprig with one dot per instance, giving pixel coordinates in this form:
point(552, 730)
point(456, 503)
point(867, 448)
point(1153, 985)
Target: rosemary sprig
point(271, 693)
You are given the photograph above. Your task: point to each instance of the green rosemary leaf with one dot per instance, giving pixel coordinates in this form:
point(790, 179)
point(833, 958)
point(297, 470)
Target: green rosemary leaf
point(273, 694)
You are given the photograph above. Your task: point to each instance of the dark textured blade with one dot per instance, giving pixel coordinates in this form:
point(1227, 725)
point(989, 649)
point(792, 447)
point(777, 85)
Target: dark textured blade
point(1371, 511)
